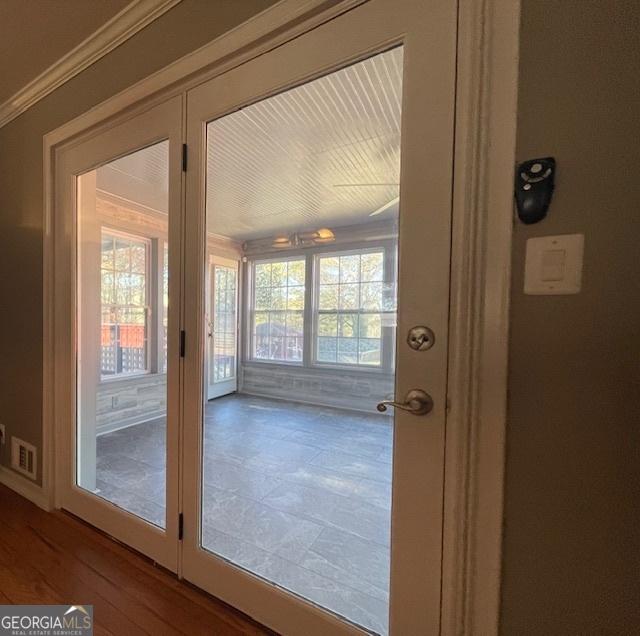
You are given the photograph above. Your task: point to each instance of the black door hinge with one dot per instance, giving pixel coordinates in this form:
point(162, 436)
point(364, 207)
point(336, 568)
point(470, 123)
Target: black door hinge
point(184, 157)
point(180, 526)
point(183, 338)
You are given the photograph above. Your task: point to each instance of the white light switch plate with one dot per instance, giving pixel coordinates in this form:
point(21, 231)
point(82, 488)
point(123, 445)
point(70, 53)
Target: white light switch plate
point(553, 264)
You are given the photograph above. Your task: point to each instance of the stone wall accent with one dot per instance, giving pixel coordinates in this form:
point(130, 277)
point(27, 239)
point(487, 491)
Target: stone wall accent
point(129, 401)
point(357, 390)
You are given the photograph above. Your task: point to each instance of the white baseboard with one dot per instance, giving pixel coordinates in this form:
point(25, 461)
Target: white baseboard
point(24, 487)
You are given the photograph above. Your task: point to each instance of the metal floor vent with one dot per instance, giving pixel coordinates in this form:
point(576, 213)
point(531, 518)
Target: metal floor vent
point(23, 457)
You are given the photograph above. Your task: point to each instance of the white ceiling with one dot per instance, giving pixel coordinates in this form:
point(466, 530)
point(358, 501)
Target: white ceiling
point(285, 163)
point(141, 177)
point(326, 153)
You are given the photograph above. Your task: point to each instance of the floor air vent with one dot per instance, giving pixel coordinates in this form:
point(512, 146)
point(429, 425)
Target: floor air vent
point(23, 457)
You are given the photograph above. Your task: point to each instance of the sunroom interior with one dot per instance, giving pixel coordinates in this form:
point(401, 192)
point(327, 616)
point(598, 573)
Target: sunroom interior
point(302, 203)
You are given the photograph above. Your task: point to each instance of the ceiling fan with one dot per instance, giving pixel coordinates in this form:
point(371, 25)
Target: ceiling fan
point(382, 208)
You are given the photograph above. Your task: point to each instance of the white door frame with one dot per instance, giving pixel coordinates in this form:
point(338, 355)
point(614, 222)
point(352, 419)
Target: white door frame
point(162, 121)
point(426, 29)
point(224, 387)
point(486, 111)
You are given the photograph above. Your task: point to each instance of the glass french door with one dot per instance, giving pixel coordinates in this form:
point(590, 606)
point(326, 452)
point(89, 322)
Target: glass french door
point(311, 502)
point(120, 191)
point(222, 326)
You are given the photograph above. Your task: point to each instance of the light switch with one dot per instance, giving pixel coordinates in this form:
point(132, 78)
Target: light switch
point(552, 268)
point(553, 264)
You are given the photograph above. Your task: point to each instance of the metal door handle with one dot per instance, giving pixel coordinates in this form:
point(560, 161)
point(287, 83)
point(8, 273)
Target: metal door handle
point(417, 402)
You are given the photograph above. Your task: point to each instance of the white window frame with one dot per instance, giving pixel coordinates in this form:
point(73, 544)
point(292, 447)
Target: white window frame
point(251, 309)
point(311, 255)
point(148, 289)
point(387, 335)
point(156, 242)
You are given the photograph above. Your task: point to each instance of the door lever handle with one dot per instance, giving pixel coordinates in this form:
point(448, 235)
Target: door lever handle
point(416, 402)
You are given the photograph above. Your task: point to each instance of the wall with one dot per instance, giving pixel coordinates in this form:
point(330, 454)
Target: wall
point(189, 25)
point(571, 549)
point(123, 403)
point(357, 390)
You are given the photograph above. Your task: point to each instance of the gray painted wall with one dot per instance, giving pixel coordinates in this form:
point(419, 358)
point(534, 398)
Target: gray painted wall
point(571, 545)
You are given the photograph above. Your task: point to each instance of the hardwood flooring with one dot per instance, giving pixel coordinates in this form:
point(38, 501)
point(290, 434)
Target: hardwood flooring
point(54, 558)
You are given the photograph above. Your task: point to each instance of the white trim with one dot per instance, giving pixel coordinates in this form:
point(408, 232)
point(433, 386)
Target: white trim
point(263, 32)
point(25, 488)
point(485, 151)
point(486, 118)
point(227, 385)
point(163, 121)
point(133, 18)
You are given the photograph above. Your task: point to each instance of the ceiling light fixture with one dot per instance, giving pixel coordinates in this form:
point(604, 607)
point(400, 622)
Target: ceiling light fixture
point(304, 239)
point(324, 235)
point(282, 242)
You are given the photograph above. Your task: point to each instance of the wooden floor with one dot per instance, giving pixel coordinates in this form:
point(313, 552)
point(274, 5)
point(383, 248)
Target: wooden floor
point(52, 558)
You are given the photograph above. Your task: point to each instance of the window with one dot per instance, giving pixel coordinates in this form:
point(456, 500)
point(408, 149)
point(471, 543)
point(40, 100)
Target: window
point(278, 310)
point(350, 303)
point(351, 306)
point(123, 291)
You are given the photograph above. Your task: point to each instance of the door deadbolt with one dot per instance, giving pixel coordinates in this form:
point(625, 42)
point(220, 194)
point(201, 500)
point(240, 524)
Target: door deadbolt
point(420, 338)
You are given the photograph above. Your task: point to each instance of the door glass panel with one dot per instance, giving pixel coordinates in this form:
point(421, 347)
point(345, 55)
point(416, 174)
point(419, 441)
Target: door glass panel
point(296, 466)
point(122, 302)
point(224, 324)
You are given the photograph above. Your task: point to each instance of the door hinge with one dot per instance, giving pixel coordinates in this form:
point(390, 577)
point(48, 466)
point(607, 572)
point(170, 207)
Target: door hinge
point(184, 157)
point(183, 338)
point(180, 526)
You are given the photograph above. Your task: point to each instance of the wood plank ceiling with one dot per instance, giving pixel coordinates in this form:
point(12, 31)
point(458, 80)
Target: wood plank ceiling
point(323, 154)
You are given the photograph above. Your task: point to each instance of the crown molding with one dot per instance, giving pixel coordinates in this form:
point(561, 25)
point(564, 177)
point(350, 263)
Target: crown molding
point(133, 18)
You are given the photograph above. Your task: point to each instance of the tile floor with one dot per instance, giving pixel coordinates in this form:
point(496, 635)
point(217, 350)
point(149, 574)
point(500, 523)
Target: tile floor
point(298, 494)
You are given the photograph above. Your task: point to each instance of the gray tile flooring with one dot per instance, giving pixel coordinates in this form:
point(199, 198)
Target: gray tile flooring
point(298, 494)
